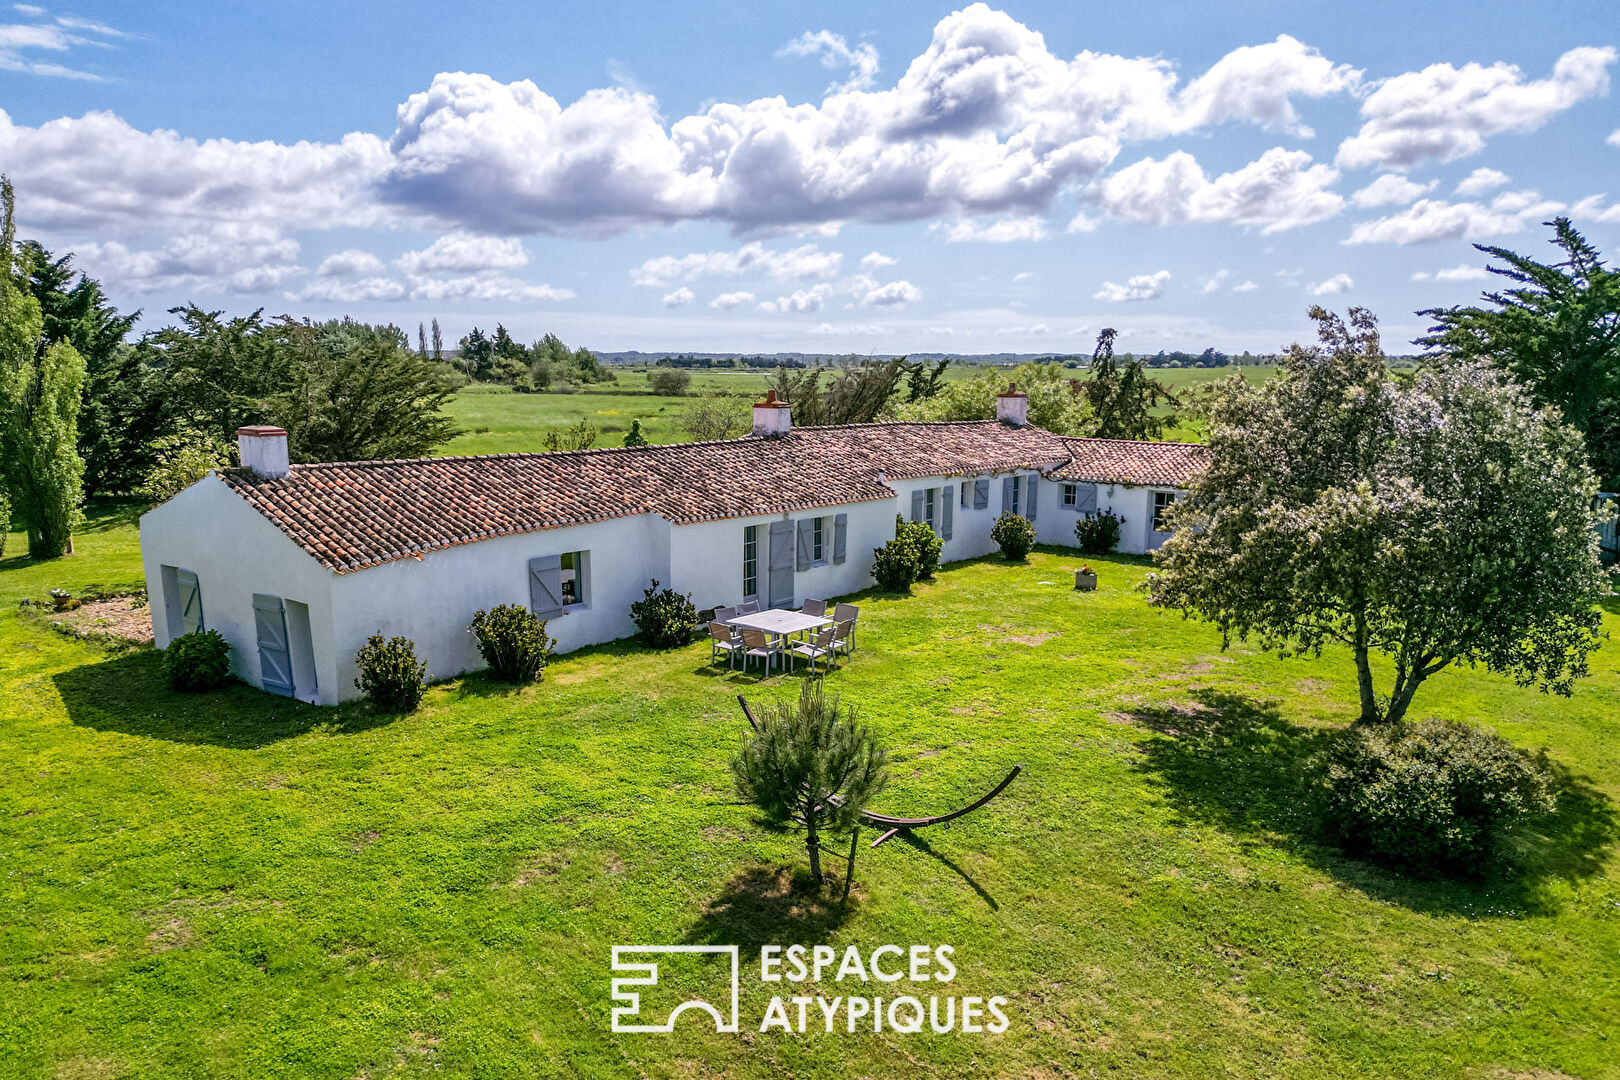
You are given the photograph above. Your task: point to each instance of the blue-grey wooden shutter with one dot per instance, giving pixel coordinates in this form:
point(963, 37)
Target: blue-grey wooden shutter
point(779, 582)
point(275, 659)
point(191, 611)
point(1085, 498)
point(1009, 495)
point(1031, 486)
point(840, 536)
point(981, 493)
point(545, 586)
point(916, 506)
point(945, 518)
point(807, 539)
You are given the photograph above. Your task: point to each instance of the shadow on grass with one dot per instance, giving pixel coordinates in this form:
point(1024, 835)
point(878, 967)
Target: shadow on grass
point(1238, 765)
point(917, 843)
point(768, 904)
point(130, 694)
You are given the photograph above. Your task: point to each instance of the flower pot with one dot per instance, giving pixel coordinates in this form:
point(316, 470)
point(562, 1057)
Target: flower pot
point(1085, 582)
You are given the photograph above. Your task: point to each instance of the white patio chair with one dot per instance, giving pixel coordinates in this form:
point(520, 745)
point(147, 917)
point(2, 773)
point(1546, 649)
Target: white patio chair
point(756, 645)
point(843, 637)
point(848, 613)
point(820, 648)
point(815, 607)
point(723, 640)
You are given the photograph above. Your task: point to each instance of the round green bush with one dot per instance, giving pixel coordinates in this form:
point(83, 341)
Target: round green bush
point(390, 674)
point(911, 556)
point(200, 660)
point(1098, 534)
point(926, 546)
point(1437, 796)
point(665, 617)
point(1015, 535)
point(513, 642)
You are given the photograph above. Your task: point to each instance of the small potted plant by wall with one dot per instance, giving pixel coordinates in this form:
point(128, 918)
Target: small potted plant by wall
point(1085, 579)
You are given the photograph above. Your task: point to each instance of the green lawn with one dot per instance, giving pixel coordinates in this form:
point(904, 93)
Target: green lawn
point(497, 421)
point(234, 885)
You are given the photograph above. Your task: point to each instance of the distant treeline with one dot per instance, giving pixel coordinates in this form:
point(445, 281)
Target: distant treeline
point(729, 363)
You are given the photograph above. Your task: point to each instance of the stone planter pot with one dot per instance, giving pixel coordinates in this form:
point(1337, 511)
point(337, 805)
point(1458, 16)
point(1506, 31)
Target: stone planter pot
point(1085, 582)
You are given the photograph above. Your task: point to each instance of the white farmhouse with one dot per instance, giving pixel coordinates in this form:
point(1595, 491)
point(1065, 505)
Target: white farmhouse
point(297, 565)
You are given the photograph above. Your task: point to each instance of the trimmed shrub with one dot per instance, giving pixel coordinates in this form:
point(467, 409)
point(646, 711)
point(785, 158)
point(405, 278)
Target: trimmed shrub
point(513, 642)
point(912, 555)
point(390, 674)
point(670, 382)
point(1098, 534)
point(200, 660)
point(1435, 796)
point(927, 545)
point(1014, 534)
point(665, 617)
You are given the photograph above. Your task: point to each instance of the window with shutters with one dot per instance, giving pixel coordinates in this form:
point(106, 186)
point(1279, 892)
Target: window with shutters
point(750, 560)
point(1017, 495)
point(931, 508)
point(818, 548)
point(1161, 503)
point(1071, 495)
point(573, 578)
point(967, 492)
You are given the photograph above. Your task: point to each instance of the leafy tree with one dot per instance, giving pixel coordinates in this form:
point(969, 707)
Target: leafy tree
point(438, 342)
point(811, 766)
point(124, 408)
point(1055, 402)
point(669, 382)
point(510, 361)
point(355, 392)
point(634, 436)
point(1443, 522)
point(710, 418)
point(181, 460)
point(477, 355)
point(1123, 398)
point(1556, 330)
point(577, 436)
point(40, 390)
point(421, 341)
point(216, 373)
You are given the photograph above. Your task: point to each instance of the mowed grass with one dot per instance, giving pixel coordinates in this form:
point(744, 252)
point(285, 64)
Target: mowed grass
point(497, 421)
point(234, 885)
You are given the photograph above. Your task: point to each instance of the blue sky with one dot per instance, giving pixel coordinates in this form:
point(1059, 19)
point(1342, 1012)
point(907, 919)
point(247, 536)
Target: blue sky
point(829, 177)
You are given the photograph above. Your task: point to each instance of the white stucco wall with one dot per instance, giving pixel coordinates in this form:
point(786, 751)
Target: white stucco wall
point(1133, 503)
point(235, 552)
point(432, 600)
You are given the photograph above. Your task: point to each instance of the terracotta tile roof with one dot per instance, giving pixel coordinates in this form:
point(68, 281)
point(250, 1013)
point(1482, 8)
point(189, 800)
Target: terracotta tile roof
point(1124, 461)
point(351, 515)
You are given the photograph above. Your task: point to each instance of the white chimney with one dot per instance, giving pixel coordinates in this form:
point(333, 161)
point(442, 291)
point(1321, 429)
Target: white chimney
point(264, 450)
point(771, 417)
point(1012, 406)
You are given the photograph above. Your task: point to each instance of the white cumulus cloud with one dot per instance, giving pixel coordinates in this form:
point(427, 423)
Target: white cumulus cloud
point(1443, 113)
point(350, 263)
point(892, 294)
point(465, 253)
point(495, 288)
point(1436, 219)
point(876, 260)
point(1005, 231)
point(835, 52)
point(797, 264)
point(1480, 181)
point(680, 296)
point(1281, 190)
point(1138, 287)
point(727, 301)
point(1338, 283)
point(1391, 189)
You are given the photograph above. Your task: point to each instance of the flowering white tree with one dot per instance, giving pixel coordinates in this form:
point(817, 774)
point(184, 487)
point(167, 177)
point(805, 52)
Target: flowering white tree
point(1437, 519)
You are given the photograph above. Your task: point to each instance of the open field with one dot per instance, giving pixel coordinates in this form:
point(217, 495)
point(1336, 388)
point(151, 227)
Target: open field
point(515, 423)
point(235, 885)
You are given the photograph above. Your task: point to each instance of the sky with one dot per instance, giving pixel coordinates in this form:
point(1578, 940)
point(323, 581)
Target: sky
point(826, 177)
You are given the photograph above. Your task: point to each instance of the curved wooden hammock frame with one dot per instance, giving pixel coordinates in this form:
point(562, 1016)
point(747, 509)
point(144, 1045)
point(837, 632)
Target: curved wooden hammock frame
point(896, 825)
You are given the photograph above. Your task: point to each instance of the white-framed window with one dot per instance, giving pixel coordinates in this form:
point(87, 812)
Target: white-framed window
point(1017, 495)
point(931, 508)
point(1161, 502)
point(1071, 495)
point(573, 578)
point(818, 546)
point(967, 493)
point(750, 561)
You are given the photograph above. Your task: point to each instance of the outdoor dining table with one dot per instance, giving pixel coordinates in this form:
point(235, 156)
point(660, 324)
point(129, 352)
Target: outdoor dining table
point(779, 622)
